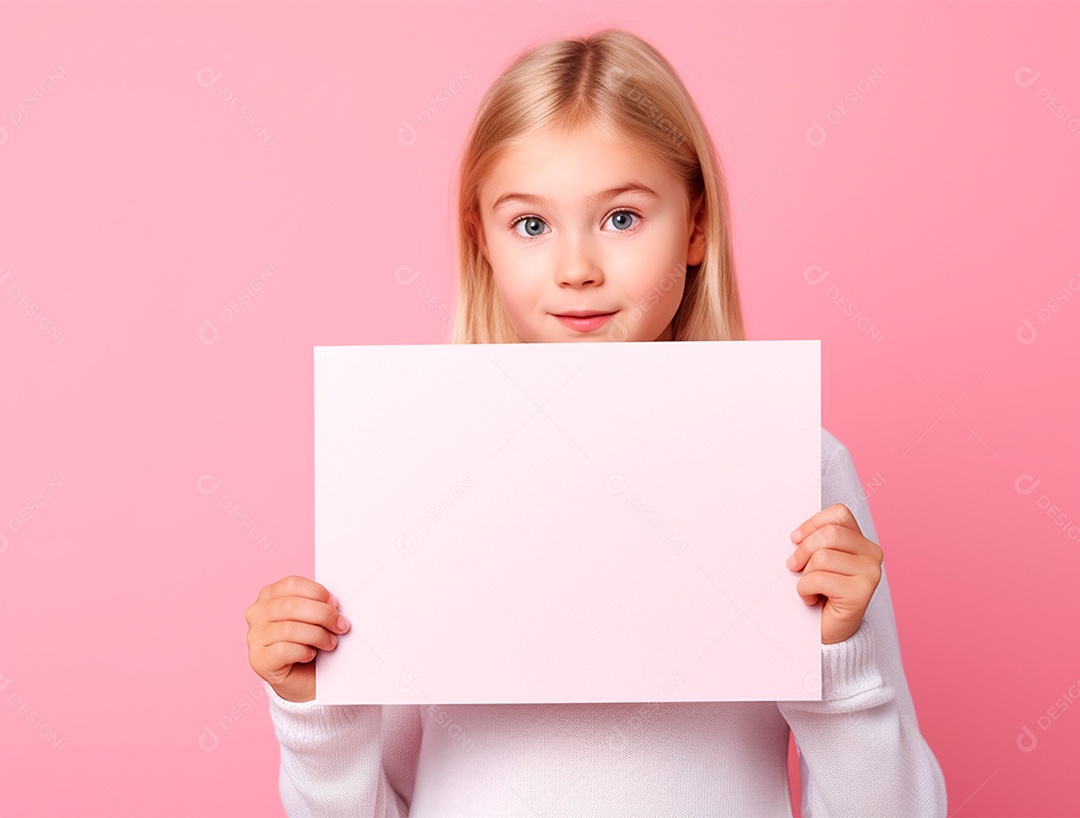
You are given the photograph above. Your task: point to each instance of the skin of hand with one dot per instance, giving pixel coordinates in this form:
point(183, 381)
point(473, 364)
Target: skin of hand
point(841, 565)
point(287, 623)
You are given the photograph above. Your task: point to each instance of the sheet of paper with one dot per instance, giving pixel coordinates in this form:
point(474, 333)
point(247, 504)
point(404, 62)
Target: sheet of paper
point(567, 522)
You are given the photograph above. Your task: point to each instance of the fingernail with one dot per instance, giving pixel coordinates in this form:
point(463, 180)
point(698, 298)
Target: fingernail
point(334, 602)
point(795, 534)
point(791, 561)
point(342, 623)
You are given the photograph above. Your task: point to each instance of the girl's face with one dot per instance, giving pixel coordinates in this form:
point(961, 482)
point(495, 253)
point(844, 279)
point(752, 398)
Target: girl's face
point(561, 237)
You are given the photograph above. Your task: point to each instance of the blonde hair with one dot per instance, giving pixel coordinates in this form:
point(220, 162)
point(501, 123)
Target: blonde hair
point(617, 82)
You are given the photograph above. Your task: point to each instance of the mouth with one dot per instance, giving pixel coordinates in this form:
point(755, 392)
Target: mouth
point(583, 313)
point(584, 320)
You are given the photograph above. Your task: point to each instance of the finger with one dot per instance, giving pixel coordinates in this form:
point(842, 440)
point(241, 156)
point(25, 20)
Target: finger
point(825, 583)
point(830, 536)
point(302, 609)
point(837, 513)
point(838, 562)
point(284, 654)
point(300, 633)
point(845, 593)
point(298, 586)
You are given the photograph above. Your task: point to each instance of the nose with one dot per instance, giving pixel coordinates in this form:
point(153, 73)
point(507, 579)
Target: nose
point(578, 265)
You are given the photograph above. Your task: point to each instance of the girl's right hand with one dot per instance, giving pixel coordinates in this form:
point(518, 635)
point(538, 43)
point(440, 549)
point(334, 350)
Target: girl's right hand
point(289, 620)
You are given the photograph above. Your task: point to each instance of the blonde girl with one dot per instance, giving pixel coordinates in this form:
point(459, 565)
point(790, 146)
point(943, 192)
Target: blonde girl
point(593, 207)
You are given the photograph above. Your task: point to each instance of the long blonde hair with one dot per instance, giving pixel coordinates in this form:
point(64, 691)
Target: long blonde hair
point(615, 81)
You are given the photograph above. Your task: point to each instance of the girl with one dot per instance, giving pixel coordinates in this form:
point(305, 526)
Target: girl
point(592, 207)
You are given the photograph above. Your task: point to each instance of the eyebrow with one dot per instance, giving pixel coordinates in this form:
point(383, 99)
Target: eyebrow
point(531, 198)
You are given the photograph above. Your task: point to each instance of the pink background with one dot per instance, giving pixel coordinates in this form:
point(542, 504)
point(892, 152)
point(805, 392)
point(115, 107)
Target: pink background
point(137, 206)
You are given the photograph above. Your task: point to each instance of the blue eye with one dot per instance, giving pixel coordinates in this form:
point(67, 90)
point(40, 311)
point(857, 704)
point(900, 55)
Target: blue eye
point(535, 223)
point(531, 223)
point(618, 213)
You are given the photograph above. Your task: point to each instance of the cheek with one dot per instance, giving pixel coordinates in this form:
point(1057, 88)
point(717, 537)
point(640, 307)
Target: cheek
point(516, 291)
point(659, 275)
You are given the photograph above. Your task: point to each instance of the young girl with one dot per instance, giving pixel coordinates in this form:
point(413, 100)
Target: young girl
point(593, 208)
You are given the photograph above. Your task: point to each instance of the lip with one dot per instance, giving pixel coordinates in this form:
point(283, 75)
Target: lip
point(584, 320)
point(583, 313)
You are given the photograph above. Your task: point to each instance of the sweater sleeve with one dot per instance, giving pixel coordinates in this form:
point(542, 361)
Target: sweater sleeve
point(860, 748)
point(331, 760)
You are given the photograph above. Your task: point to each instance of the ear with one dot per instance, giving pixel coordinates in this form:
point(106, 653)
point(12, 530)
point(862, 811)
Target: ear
point(695, 253)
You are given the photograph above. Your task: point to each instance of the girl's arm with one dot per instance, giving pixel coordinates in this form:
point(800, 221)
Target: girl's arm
point(860, 749)
point(332, 758)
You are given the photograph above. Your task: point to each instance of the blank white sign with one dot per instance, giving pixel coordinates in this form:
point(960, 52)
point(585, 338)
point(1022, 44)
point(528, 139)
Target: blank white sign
point(567, 522)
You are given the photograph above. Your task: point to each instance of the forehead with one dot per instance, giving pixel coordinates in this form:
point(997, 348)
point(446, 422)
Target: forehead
point(573, 167)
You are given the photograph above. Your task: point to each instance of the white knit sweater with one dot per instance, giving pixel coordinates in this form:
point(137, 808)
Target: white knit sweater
point(860, 749)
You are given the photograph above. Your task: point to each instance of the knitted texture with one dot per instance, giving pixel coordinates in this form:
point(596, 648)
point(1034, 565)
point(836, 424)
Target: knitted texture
point(860, 749)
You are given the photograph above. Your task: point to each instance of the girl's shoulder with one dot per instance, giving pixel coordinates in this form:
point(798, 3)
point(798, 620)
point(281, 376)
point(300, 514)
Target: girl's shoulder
point(833, 451)
point(839, 477)
point(840, 482)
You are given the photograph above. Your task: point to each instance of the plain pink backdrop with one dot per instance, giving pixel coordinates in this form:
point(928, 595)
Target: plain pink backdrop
point(904, 178)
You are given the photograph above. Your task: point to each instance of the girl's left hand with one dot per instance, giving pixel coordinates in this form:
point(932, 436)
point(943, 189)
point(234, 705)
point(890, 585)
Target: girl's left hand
point(842, 565)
